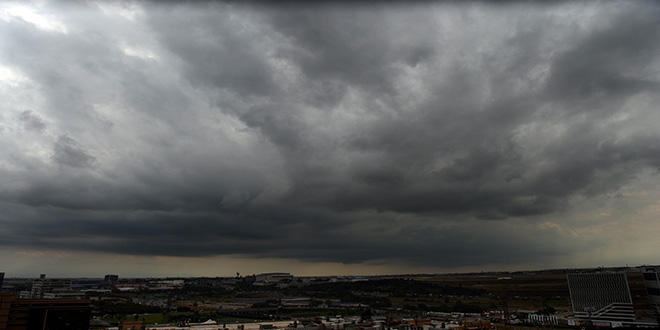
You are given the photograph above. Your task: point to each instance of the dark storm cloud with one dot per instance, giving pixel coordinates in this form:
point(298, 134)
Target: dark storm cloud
point(609, 63)
point(487, 173)
point(328, 133)
point(350, 44)
point(207, 234)
point(209, 38)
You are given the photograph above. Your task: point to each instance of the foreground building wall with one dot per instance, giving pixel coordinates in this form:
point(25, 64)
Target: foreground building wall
point(652, 283)
point(43, 314)
point(601, 296)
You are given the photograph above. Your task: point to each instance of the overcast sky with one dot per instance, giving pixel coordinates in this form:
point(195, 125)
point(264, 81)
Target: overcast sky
point(210, 138)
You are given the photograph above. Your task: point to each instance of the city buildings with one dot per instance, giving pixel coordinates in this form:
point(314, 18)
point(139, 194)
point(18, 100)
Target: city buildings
point(43, 286)
point(274, 277)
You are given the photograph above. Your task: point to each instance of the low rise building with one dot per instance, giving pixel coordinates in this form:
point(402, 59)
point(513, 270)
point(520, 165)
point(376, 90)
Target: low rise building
point(274, 277)
point(44, 285)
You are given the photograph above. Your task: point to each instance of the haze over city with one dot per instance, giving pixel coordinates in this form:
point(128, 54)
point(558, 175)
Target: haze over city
point(207, 138)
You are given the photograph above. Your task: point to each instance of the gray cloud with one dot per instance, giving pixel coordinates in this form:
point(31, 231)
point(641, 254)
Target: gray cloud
point(68, 151)
point(351, 134)
point(32, 122)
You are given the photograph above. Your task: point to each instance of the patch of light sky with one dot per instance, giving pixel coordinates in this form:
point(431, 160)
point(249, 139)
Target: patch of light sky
point(32, 15)
point(11, 77)
point(142, 53)
point(129, 11)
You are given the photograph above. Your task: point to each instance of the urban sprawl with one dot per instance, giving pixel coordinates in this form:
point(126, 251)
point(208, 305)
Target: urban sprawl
point(627, 297)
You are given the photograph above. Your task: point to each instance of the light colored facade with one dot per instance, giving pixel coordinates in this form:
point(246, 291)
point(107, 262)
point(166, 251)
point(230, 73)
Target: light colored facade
point(601, 297)
point(64, 294)
point(42, 286)
point(273, 277)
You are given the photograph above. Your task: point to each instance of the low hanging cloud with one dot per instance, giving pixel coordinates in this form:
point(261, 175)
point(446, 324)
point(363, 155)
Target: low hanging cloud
point(331, 132)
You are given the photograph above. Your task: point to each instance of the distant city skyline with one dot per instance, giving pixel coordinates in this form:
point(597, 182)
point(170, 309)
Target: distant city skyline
point(143, 138)
point(286, 274)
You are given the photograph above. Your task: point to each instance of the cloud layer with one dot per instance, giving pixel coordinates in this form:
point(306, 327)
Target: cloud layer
point(430, 135)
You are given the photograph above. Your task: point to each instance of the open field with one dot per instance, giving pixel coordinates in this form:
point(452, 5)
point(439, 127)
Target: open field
point(545, 285)
point(530, 290)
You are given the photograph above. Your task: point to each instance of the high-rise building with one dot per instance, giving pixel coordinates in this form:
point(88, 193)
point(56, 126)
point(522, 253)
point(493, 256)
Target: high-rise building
point(110, 280)
point(652, 283)
point(601, 297)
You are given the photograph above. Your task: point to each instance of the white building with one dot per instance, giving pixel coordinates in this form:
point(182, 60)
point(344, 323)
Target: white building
point(601, 297)
point(273, 277)
point(42, 286)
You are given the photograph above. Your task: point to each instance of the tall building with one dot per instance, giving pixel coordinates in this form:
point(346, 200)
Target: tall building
point(652, 283)
point(2, 278)
point(110, 279)
point(601, 297)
